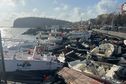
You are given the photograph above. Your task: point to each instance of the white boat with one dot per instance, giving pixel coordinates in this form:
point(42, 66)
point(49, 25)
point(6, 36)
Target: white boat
point(30, 60)
point(84, 36)
point(52, 36)
point(96, 69)
point(51, 41)
point(103, 50)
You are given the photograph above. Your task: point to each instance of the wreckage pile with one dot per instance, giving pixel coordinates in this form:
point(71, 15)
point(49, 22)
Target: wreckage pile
point(101, 58)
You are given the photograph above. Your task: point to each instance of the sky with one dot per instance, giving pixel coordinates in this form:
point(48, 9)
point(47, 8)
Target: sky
point(70, 10)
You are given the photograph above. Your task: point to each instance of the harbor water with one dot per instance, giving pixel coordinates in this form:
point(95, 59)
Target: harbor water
point(16, 33)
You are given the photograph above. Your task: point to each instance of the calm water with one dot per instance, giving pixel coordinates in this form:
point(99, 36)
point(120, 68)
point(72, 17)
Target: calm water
point(16, 33)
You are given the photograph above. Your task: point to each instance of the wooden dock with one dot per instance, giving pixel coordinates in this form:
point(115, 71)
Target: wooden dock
point(111, 33)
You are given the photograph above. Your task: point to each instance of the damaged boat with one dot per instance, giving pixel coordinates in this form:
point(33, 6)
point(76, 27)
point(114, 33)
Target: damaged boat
point(99, 69)
point(26, 59)
point(103, 50)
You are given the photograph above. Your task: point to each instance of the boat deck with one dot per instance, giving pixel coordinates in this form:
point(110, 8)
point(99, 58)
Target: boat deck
point(11, 55)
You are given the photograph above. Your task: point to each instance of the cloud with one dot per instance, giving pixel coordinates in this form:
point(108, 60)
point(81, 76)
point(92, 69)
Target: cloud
point(22, 2)
point(75, 14)
point(35, 10)
point(61, 11)
point(8, 19)
point(55, 2)
point(66, 12)
point(57, 8)
point(7, 5)
point(10, 5)
point(62, 7)
point(107, 6)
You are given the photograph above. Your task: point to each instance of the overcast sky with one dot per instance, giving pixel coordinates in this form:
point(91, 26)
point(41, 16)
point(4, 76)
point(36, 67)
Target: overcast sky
point(71, 10)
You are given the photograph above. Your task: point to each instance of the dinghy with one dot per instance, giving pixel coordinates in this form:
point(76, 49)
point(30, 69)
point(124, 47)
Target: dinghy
point(103, 50)
point(96, 69)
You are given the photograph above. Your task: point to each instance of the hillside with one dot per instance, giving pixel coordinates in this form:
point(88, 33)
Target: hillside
point(35, 22)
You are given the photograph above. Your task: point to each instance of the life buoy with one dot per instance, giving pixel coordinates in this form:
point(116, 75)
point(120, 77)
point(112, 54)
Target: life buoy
point(39, 50)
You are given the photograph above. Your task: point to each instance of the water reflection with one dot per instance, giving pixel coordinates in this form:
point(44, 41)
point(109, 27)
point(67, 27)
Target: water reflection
point(10, 35)
point(15, 33)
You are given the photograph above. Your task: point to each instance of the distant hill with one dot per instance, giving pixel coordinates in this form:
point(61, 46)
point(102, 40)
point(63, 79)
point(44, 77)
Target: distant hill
point(35, 22)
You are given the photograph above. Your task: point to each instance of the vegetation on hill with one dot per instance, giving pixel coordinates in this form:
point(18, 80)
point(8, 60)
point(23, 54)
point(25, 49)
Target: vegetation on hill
point(35, 22)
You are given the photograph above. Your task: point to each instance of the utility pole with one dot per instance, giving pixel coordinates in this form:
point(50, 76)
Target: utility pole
point(3, 79)
point(112, 23)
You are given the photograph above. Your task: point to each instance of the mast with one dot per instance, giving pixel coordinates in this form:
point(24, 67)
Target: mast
point(3, 79)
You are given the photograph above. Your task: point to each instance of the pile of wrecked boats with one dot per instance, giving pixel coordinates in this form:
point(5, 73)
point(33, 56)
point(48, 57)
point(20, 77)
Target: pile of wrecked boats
point(106, 63)
point(100, 64)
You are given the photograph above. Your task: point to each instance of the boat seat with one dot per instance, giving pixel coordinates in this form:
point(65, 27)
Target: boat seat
point(99, 54)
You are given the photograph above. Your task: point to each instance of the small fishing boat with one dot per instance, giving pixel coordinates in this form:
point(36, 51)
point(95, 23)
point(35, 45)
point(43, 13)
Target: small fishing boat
point(84, 36)
point(51, 41)
point(96, 69)
point(103, 50)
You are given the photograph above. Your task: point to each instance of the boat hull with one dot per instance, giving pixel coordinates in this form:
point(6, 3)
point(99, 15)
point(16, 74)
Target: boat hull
point(23, 76)
point(31, 65)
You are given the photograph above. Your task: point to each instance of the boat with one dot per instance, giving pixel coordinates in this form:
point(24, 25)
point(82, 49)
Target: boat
point(29, 59)
point(97, 69)
point(51, 41)
point(53, 36)
point(104, 50)
point(84, 36)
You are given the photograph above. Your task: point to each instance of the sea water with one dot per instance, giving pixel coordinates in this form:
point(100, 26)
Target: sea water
point(11, 36)
point(16, 33)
